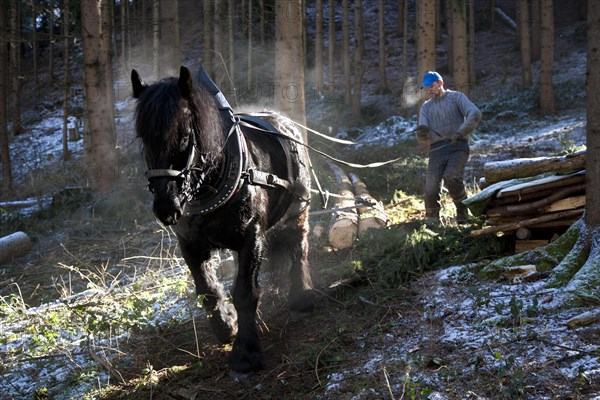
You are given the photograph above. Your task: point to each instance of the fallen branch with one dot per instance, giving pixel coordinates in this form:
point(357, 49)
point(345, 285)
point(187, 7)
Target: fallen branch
point(584, 319)
point(508, 21)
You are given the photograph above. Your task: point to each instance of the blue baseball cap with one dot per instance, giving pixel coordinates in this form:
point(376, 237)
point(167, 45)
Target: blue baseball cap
point(429, 78)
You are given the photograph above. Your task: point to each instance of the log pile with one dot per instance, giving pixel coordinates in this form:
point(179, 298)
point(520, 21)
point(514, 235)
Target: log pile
point(523, 196)
point(356, 210)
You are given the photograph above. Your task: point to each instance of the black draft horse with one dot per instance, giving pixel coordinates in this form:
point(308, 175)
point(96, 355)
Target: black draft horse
point(221, 185)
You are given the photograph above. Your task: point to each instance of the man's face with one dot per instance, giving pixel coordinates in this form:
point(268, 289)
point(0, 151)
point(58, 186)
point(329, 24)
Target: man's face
point(434, 90)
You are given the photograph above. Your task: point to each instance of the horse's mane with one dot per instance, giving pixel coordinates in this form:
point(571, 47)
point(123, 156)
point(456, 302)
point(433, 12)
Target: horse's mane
point(161, 109)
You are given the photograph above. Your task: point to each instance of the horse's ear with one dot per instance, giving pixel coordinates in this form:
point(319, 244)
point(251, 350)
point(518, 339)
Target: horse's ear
point(138, 84)
point(185, 82)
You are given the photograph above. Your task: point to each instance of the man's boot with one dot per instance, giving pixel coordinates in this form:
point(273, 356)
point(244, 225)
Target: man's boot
point(462, 213)
point(433, 214)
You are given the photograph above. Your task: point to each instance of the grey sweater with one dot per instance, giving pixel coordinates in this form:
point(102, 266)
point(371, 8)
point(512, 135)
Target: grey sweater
point(451, 113)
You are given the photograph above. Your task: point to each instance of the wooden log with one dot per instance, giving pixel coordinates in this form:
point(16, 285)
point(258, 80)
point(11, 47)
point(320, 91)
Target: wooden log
point(587, 318)
point(513, 226)
point(529, 207)
point(372, 216)
point(541, 185)
point(343, 229)
point(510, 169)
point(508, 21)
point(19, 203)
point(569, 203)
point(14, 246)
point(523, 233)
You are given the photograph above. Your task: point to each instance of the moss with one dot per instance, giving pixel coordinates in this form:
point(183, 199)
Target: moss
point(545, 258)
point(569, 265)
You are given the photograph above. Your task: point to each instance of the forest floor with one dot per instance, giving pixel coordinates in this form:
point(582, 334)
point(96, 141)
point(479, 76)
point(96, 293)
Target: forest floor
point(448, 334)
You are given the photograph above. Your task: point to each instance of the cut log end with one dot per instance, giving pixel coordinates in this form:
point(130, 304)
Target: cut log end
point(343, 233)
point(14, 246)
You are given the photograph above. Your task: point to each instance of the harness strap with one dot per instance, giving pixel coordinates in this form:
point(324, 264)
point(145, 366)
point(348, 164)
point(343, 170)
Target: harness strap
point(354, 165)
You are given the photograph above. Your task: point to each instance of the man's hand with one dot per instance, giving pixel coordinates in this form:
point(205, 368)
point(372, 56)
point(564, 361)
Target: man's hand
point(423, 133)
point(456, 137)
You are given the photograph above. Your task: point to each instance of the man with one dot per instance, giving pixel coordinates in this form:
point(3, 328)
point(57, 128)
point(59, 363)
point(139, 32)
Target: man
point(445, 122)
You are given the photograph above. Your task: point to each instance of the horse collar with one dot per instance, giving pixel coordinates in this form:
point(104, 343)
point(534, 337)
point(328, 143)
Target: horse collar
point(230, 179)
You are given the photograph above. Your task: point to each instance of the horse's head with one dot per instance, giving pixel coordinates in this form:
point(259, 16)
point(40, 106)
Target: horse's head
point(181, 133)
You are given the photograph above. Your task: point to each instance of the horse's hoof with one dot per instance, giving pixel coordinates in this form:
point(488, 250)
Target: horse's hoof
point(240, 376)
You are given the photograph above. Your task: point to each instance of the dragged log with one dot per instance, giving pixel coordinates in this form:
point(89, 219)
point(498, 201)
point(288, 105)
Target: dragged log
point(14, 246)
point(343, 229)
point(371, 216)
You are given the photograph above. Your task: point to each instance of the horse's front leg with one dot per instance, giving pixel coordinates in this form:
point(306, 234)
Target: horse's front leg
point(219, 310)
point(246, 356)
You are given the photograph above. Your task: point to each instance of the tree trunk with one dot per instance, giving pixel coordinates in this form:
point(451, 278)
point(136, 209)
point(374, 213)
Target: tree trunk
point(262, 22)
point(497, 171)
point(15, 70)
point(525, 48)
point(218, 35)
point(249, 72)
point(346, 52)
point(401, 17)
point(536, 30)
point(169, 37)
point(5, 164)
point(231, 50)
point(67, 81)
point(358, 58)
point(289, 60)
point(103, 167)
point(426, 37)
point(156, 39)
point(546, 65)
point(593, 116)
point(124, 60)
point(51, 41)
point(406, 91)
point(145, 24)
point(459, 42)
point(319, 47)
point(331, 47)
point(382, 88)
point(207, 21)
point(447, 8)
point(34, 41)
point(492, 13)
point(472, 72)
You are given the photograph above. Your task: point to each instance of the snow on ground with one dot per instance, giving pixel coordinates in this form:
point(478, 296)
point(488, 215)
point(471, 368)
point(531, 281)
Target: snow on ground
point(471, 328)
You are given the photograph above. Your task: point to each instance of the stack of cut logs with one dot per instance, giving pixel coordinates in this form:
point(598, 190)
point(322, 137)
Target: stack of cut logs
point(352, 216)
point(523, 196)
